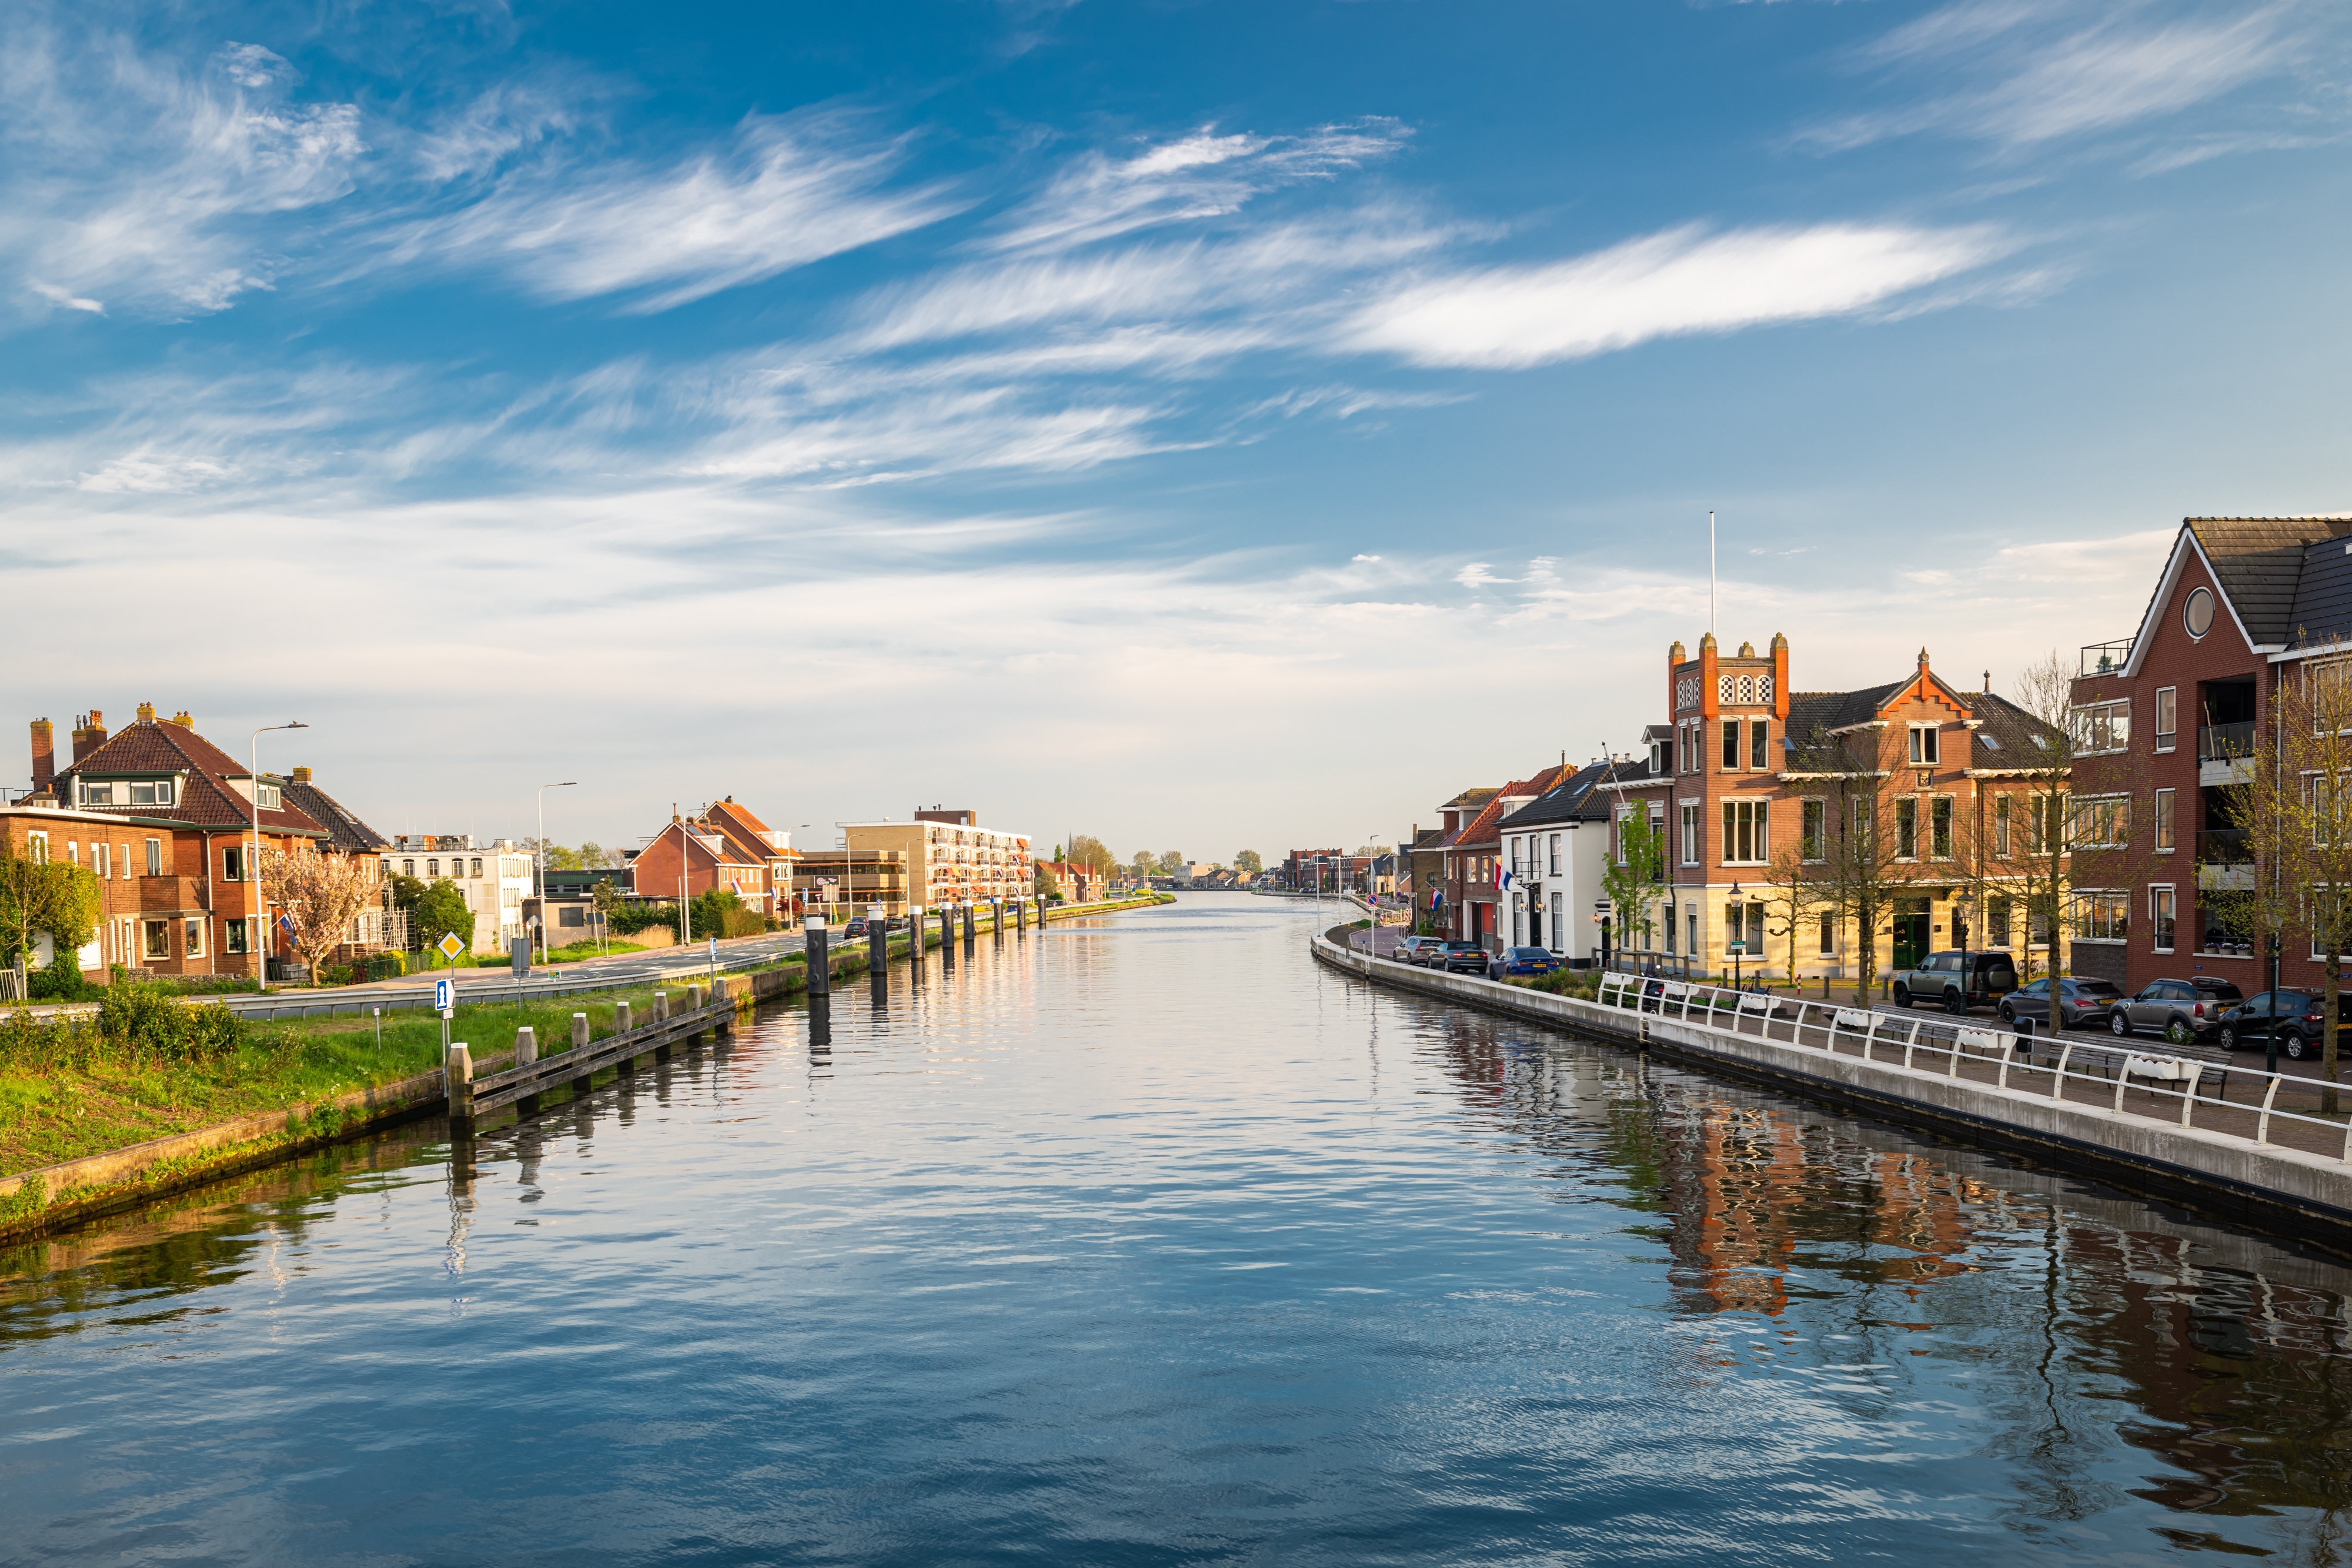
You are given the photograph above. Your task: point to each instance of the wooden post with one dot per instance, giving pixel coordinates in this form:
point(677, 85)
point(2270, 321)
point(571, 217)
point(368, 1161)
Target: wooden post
point(582, 1084)
point(458, 1081)
point(526, 1046)
point(621, 1024)
point(661, 1006)
point(819, 963)
point(694, 995)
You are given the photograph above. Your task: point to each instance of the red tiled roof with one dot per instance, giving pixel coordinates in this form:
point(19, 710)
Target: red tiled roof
point(208, 800)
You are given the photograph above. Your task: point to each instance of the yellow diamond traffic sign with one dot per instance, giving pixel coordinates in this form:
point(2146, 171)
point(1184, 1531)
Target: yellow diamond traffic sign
point(450, 946)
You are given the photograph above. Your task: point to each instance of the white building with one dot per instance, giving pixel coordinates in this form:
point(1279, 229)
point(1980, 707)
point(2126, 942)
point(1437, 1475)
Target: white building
point(495, 878)
point(1556, 848)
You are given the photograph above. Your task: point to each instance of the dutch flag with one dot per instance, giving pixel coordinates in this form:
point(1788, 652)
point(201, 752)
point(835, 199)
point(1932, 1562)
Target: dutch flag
point(1503, 878)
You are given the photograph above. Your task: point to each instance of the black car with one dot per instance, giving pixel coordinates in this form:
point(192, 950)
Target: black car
point(1461, 957)
point(1422, 950)
point(2082, 1004)
point(2295, 1016)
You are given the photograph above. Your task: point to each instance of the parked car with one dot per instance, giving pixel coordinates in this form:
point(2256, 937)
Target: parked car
point(2182, 1011)
point(1461, 957)
point(2082, 1004)
point(1422, 950)
point(856, 927)
point(2295, 1016)
point(1956, 980)
point(1522, 961)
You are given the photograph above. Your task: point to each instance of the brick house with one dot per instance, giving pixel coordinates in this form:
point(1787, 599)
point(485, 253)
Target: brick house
point(2242, 606)
point(165, 819)
point(1748, 767)
point(690, 857)
point(1476, 861)
point(1441, 876)
point(753, 841)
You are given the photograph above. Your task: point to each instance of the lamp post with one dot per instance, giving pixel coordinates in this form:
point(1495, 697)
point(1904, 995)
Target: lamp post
point(542, 876)
point(253, 858)
point(1964, 923)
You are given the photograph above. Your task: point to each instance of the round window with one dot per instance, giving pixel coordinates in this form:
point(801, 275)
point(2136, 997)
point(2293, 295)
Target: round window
point(2198, 614)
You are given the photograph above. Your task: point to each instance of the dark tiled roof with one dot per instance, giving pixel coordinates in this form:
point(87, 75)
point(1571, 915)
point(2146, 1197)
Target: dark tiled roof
point(1470, 800)
point(209, 801)
point(2260, 561)
point(348, 832)
point(2003, 738)
point(1575, 798)
point(2322, 595)
point(1822, 712)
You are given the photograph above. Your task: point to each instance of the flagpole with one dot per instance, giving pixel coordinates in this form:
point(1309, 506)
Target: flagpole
point(1711, 573)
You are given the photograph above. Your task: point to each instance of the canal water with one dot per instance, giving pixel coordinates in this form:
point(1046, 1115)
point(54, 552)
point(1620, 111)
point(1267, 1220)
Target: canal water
point(1146, 1240)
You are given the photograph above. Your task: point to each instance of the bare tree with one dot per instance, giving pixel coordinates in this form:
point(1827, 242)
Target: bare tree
point(320, 895)
point(2297, 811)
point(2045, 691)
point(1863, 867)
point(1800, 890)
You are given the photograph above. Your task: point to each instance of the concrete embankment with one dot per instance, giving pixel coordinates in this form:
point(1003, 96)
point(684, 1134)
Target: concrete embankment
point(56, 1196)
point(2288, 1192)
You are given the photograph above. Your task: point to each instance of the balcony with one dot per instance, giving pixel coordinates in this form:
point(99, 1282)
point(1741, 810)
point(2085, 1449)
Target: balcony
point(2106, 658)
point(2223, 846)
point(2225, 754)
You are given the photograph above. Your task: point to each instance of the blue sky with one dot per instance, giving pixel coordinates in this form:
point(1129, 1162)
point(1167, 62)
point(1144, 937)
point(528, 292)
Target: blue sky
point(1205, 426)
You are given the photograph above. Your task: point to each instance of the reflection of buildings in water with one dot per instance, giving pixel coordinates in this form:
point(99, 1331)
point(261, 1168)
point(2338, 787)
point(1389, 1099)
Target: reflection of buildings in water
point(2225, 1355)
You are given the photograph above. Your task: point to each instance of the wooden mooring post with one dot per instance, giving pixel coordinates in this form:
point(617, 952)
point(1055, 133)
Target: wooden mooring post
point(457, 1079)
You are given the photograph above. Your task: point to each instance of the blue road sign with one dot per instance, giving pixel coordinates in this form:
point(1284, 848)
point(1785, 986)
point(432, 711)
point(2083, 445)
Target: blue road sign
point(443, 994)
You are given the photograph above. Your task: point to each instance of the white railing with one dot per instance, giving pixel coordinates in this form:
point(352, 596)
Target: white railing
point(1926, 1044)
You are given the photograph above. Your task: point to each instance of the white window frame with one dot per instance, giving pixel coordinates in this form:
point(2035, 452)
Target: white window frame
point(1757, 811)
point(2167, 834)
point(1927, 745)
point(2168, 717)
point(2166, 895)
point(1694, 833)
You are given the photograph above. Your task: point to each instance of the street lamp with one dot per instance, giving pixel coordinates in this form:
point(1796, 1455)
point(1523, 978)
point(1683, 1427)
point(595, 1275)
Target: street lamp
point(543, 789)
point(1741, 946)
point(253, 860)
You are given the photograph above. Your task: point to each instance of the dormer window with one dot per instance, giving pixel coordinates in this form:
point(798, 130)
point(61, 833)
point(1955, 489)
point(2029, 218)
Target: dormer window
point(157, 793)
point(266, 795)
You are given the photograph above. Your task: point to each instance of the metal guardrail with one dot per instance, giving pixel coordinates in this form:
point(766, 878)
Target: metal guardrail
point(1723, 1011)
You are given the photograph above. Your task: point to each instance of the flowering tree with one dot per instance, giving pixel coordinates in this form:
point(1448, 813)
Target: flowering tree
point(320, 895)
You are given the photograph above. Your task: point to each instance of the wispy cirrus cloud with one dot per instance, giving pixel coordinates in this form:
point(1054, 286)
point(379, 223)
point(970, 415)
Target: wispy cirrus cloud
point(2022, 76)
point(133, 182)
point(1669, 285)
point(787, 193)
point(1204, 175)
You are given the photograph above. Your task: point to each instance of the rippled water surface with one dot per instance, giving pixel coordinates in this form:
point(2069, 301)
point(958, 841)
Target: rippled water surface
point(1145, 1240)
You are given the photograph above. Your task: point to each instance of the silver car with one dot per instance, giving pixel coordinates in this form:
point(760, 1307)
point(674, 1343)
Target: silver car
point(2182, 1011)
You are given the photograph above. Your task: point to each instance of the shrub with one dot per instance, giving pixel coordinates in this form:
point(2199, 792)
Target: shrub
point(632, 918)
point(147, 1018)
point(61, 981)
point(386, 966)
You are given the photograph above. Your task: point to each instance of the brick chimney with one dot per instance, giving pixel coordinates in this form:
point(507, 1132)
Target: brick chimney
point(146, 712)
point(90, 735)
point(45, 756)
point(301, 776)
point(182, 720)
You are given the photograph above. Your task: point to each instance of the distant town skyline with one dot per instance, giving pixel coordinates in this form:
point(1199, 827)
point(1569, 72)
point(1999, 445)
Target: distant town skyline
point(1215, 425)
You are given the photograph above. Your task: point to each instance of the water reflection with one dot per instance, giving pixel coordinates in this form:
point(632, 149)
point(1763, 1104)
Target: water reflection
point(2096, 1314)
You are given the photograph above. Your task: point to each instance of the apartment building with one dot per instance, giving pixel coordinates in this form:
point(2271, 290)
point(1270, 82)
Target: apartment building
point(949, 858)
point(496, 879)
point(2167, 722)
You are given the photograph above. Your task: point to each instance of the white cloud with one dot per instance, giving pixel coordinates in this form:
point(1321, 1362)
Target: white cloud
point(788, 193)
point(134, 180)
point(1204, 175)
point(66, 297)
point(1679, 282)
point(2022, 76)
